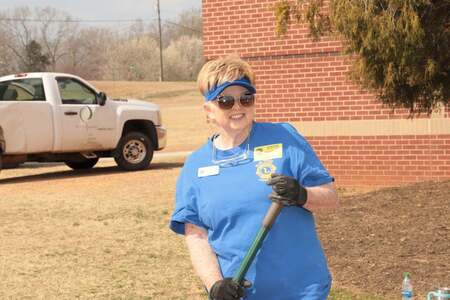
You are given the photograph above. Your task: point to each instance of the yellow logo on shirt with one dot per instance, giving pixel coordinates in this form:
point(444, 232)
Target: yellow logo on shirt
point(264, 169)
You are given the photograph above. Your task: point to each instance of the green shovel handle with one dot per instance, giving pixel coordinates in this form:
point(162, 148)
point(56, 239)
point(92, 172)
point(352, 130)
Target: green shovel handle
point(269, 219)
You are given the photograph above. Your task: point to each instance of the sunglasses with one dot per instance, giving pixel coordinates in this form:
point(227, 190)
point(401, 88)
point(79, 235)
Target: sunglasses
point(227, 102)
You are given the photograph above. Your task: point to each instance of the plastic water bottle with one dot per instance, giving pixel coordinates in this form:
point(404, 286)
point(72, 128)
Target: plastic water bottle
point(407, 289)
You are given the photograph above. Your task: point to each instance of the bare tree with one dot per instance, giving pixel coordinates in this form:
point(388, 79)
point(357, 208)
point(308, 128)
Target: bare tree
point(55, 31)
point(188, 23)
point(86, 52)
point(184, 58)
point(125, 53)
point(132, 60)
point(136, 30)
point(18, 32)
point(7, 65)
point(21, 26)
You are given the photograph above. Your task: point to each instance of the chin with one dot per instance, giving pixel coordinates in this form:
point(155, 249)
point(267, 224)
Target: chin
point(240, 125)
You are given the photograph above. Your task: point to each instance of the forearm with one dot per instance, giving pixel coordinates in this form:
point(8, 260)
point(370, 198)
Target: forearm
point(203, 258)
point(321, 197)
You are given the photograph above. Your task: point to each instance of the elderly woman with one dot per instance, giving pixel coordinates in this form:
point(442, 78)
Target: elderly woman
point(226, 187)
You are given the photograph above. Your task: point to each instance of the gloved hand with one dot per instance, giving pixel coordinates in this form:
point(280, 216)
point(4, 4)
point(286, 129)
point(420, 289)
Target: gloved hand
point(286, 190)
point(227, 289)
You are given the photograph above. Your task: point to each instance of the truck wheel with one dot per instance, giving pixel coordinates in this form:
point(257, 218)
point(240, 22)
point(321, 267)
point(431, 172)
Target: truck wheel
point(86, 163)
point(10, 166)
point(134, 152)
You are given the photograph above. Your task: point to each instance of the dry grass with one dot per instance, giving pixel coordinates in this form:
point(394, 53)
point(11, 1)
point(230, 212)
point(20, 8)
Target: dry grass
point(102, 233)
point(98, 234)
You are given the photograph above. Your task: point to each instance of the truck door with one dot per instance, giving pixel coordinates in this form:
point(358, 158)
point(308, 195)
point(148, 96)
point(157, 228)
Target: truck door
point(81, 128)
point(26, 116)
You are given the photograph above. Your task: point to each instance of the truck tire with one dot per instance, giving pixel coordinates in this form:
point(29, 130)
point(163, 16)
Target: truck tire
point(10, 166)
point(134, 151)
point(86, 163)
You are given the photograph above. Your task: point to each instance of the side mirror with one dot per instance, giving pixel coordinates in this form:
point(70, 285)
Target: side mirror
point(101, 98)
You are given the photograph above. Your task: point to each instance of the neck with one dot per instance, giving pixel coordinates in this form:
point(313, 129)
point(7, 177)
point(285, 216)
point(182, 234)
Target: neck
point(228, 140)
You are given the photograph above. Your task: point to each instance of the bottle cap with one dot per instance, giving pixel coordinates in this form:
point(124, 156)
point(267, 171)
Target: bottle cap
point(407, 274)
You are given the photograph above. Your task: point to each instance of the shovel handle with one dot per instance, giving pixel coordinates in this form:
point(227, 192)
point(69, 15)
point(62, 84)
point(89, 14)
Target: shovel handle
point(272, 214)
point(269, 219)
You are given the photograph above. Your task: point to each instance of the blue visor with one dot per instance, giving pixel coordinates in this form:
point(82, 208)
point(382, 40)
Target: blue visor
point(215, 92)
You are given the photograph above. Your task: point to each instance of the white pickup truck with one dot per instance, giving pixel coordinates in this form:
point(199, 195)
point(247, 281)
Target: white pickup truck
point(54, 117)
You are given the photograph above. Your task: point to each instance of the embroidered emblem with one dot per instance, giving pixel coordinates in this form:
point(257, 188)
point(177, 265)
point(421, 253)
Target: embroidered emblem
point(264, 169)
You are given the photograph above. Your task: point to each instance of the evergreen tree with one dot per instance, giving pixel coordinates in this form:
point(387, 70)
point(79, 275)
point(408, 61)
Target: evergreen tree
point(401, 47)
point(35, 60)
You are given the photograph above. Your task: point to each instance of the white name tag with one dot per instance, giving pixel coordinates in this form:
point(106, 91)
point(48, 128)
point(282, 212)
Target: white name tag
point(208, 171)
point(267, 152)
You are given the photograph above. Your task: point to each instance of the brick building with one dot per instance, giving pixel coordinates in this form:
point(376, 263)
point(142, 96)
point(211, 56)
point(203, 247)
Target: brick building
point(306, 84)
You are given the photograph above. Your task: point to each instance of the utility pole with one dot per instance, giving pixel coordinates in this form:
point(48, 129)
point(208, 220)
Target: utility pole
point(161, 73)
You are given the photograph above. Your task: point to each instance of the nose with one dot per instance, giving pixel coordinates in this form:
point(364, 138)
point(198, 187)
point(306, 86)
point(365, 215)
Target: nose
point(237, 102)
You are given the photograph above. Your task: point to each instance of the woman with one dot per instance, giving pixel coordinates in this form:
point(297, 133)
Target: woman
point(226, 187)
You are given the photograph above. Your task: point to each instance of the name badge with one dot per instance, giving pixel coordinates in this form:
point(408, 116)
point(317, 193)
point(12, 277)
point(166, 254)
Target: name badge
point(267, 152)
point(208, 171)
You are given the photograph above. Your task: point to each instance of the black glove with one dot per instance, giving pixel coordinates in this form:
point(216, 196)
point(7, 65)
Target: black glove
point(227, 289)
point(286, 190)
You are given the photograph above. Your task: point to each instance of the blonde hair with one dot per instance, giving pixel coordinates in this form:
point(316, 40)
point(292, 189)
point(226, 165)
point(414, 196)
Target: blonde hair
point(218, 71)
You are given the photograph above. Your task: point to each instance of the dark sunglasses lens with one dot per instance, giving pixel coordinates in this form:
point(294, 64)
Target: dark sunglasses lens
point(225, 102)
point(247, 100)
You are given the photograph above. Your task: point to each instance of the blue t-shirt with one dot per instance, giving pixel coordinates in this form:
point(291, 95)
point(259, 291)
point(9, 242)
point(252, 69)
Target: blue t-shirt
point(230, 203)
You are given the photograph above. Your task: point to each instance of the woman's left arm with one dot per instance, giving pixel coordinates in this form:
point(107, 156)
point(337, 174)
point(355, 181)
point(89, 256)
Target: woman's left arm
point(320, 197)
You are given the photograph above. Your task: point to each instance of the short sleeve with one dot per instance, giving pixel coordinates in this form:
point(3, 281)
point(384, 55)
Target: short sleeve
point(305, 164)
point(186, 208)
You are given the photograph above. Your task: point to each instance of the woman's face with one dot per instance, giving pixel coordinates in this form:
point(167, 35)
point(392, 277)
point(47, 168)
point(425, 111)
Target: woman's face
point(234, 120)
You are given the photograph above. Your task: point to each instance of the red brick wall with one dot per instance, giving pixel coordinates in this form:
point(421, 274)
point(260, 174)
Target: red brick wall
point(247, 27)
point(384, 160)
point(301, 80)
point(314, 88)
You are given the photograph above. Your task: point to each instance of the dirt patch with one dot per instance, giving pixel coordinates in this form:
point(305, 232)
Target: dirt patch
point(374, 237)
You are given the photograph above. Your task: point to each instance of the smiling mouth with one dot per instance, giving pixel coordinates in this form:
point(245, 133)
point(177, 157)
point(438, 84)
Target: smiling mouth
point(237, 116)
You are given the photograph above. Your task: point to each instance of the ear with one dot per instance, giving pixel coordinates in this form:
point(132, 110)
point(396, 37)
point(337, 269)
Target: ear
point(208, 111)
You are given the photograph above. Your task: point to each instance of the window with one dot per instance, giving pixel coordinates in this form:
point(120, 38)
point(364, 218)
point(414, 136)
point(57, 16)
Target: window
point(27, 89)
point(74, 92)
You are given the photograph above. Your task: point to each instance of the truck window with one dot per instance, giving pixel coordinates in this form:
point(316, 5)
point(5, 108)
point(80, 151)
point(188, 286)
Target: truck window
point(74, 92)
point(27, 89)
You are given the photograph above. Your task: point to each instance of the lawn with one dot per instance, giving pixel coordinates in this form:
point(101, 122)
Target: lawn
point(103, 233)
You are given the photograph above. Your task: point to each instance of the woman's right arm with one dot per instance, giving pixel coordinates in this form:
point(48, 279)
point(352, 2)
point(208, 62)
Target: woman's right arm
point(203, 257)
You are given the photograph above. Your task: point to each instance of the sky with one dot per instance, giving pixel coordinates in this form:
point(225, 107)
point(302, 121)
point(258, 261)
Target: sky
point(110, 9)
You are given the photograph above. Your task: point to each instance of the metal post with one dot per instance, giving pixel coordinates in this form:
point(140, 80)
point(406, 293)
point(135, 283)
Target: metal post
point(161, 74)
